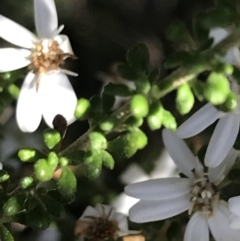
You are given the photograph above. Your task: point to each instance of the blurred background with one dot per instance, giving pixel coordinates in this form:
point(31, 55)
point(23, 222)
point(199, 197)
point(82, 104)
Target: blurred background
point(100, 31)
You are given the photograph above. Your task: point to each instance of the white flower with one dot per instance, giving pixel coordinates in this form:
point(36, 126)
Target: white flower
point(102, 222)
point(198, 193)
point(226, 130)
point(46, 89)
point(234, 206)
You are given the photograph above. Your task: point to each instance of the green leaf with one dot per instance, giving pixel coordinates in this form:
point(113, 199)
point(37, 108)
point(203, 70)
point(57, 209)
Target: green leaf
point(217, 88)
point(230, 104)
point(108, 102)
point(184, 99)
point(155, 116)
point(93, 164)
point(29, 154)
point(176, 59)
point(138, 57)
point(82, 108)
point(97, 140)
point(139, 106)
point(31, 203)
point(14, 205)
point(55, 194)
point(134, 122)
point(52, 161)
point(42, 170)
point(107, 159)
point(4, 176)
point(169, 121)
point(67, 182)
point(117, 90)
point(5, 234)
point(51, 138)
point(128, 73)
point(26, 182)
point(198, 88)
point(108, 123)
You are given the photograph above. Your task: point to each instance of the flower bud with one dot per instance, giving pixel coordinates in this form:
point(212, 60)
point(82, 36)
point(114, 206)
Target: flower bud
point(154, 119)
point(26, 182)
point(42, 171)
point(83, 106)
point(139, 106)
point(169, 121)
point(51, 138)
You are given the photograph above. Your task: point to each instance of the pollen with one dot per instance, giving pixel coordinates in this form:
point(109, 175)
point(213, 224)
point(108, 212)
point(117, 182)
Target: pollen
point(204, 196)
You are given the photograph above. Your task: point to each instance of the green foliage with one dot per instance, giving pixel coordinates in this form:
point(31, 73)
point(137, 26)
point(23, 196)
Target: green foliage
point(29, 154)
point(5, 234)
point(139, 106)
point(82, 108)
point(117, 90)
point(4, 176)
point(42, 170)
point(51, 138)
point(169, 121)
point(155, 116)
point(14, 205)
point(230, 104)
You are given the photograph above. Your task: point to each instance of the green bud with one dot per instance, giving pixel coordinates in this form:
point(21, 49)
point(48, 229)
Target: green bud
point(4, 176)
point(143, 86)
point(51, 138)
point(139, 106)
point(83, 106)
point(107, 160)
point(134, 122)
point(198, 89)
point(52, 161)
point(93, 164)
point(155, 117)
point(97, 140)
point(11, 207)
point(184, 99)
point(139, 137)
point(217, 88)
point(169, 121)
point(225, 68)
point(27, 154)
point(230, 104)
point(108, 123)
point(42, 171)
point(14, 91)
point(26, 182)
point(63, 161)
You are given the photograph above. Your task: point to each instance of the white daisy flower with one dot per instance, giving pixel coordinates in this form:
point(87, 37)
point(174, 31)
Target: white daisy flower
point(46, 90)
point(226, 130)
point(198, 193)
point(234, 206)
point(102, 222)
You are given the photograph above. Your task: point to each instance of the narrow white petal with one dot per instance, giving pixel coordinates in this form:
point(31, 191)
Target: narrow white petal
point(16, 34)
point(64, 44)
point(179, 151)
point(105, 210)
point(234, 222)
point(159, 189)
point(198, 121)
point(219, 225)
point(89, 212)
point(234, 205)
point(149, 211)
point(28, 112)
point(57, 97)
point(222, 140)
point(217, 174)
point(197, 228)
point(122, 221)
point(12, 59)
point(46, 19)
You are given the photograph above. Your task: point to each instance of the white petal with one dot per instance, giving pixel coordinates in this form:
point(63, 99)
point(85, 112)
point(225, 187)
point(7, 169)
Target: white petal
point(217, 174)
point(234, 222)
point(219, 225)
point(46, 19)
point(89, 212)
point(28, 112)
point(234, 205)
point(197, 228)
point(122, 221)
point(12, 59)
point(105, 210)
point(222, 140)
point(16, 34)
point(179, 151)
point(149, 211)
point(199, 121)
point(64, 44)
point(159, 189)
point(57, 97)
point(1, 166)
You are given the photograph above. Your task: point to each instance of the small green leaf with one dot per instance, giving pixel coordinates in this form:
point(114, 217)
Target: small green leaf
point(26, 182)
point(139, 106)
point(198, 88)
point(134, 122)
point(155, 116)
point(67, 182)
point(4, 176)
point(52, 161)
point(108, 123)
point(128, 73)
point(82, 108)
point(138, 57)
point(93, 164)
point(217, 88)
point(51, 138)
point(107, 159)
point(27, 154)
point(31, 203)
point(230, 104)
point(5, 234)
point(169, 121)
point(63, 161)
point(97, 140)
point(184, 99)
point(14, 205)
point(117, 90)
point(42, 170)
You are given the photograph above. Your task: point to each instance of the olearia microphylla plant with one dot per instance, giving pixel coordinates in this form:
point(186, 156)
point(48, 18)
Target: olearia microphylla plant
point(101, 223)
point(198, 193)
point(204, 66)
point(46, 90)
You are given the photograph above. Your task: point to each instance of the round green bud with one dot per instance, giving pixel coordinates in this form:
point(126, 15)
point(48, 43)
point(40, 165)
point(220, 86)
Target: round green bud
point(108, 123)
point(217, 88)
point(169, 121)
point(11, 207)
point(97, 140)
point(83, 106)
point(231, 102)
point(143, 87)
point(184, 99)
point(51, 138)
point(63, 161)
point(139, 106)
point(26, 182)
point(52, 160)
point(26, 154)
point(42, 171)
point(155, 116)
